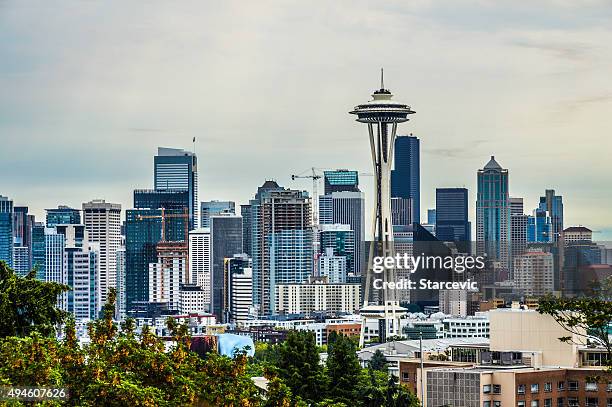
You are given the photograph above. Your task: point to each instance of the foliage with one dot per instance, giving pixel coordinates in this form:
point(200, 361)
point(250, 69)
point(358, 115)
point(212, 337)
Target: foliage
point(119, 367)
point(28, 305)
point(379, 361)
point(342, 367)
point(299, 366)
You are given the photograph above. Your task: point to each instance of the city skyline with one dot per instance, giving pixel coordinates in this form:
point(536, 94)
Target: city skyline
point(76, 127)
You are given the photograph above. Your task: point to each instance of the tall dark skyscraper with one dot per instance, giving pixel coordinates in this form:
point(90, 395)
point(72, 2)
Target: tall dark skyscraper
point(341, 180)
point(22, 240)
point(226, 237)
point(493, 214)
point(405, 178)
point(39, 249)
point(63, 215)
point(167, 199)
point(452, 224)
point(6, 230)
point(210, 208)
point(177, 169)
point(553, 204)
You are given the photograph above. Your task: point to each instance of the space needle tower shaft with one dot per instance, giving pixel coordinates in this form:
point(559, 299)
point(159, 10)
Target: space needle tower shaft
point(382, 115)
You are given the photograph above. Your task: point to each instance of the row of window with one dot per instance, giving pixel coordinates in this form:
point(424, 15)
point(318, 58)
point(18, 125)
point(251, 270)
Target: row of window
point(561, 402)
point(572, 385)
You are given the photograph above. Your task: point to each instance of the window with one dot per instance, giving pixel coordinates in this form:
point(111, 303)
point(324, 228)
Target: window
point(572, 385)
point(497, 389)
point(572, 402)
point(535, 388)
point(609, 403)
point(592, 402)
point(590, 386)
point(520, 389)
point(486, 404)
point(609, 386)
point(547, 402)
point(547, 387)
point(560, 401)
point(560, 386)
point(535, 403)
point(486, 389)
point(405, 376)
point(520, 403)
point(497, 404)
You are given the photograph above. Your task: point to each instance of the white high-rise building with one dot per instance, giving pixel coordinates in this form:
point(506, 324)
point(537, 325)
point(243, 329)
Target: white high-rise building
point(333, 267)
point(239, 292)
point(348, 208)
point(103, 224)
point(200, 260)
point(534, 273)
point(317, 295)
point(54, 256)
point(191, 299)
point(168, 274)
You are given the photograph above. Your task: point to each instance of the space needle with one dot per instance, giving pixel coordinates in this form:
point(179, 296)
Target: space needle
point(382, 114)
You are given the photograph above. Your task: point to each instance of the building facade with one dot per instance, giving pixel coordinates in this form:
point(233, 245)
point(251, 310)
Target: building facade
point(177, 169)
point(493, 214)
point(210, 208)
point(405, 177)
point(103, 224)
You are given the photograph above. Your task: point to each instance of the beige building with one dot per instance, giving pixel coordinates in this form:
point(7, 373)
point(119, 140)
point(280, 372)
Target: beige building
point(534, 273)
point(528, 331)
point(317, 295)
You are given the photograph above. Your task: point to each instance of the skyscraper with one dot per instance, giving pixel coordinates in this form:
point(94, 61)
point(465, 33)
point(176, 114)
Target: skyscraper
point(516, 206)
point(226, 238)
point(553, 204)
point(168, 273)
point(279, 223)
point(6, 230)
point(22, 240)
point(238, 290)
point(539, 227)
point(340, 180)
point(143, 229)
point(157, 199)
point(63, 215)
point(346, 208)
point(452, 224)
point(493, 214)
point(406, 178)
point(210, 208)
point(177, 169)
point(80, 271)
point(200, 261)
point(401, 211)
point(39, 249)
point(533, 273)
point(103, 224)
point(340, 239)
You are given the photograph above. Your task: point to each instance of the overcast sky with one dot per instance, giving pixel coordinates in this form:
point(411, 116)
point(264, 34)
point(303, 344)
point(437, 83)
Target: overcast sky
point(89, 89)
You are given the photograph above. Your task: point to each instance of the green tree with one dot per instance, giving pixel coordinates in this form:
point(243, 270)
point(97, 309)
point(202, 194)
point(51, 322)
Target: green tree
point(299, 366)
point(28, 305)
point(342, 367)
point(379, 361)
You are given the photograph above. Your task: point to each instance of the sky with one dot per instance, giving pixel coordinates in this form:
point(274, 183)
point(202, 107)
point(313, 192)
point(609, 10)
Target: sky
point(89, 90)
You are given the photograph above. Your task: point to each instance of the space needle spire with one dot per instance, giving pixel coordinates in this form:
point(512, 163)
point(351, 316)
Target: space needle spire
point(382, 115)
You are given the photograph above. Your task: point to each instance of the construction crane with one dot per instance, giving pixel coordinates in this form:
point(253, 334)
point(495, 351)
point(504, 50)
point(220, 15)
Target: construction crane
point(163, 216)
point(315, 193)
